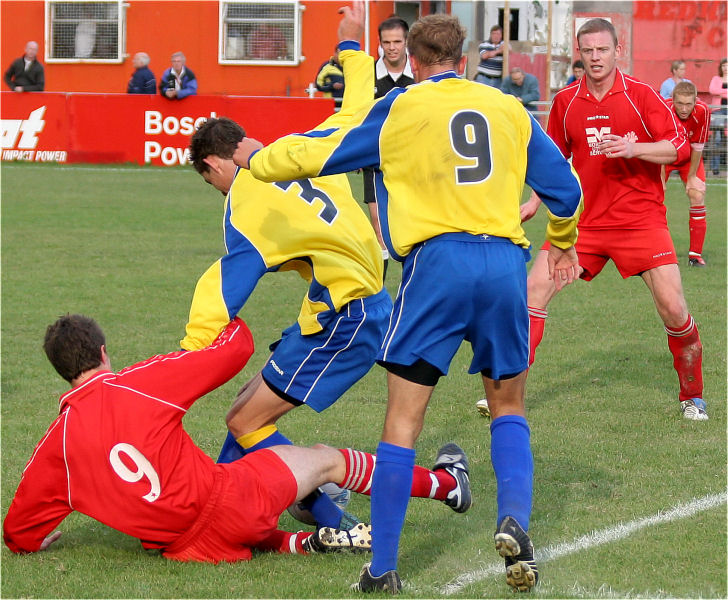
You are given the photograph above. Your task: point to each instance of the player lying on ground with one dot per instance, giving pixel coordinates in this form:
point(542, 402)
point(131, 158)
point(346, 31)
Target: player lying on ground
point(118, 453)
point(315, 228)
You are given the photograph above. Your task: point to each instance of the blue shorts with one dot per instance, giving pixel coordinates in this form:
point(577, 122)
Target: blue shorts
point(456, 287)
point(317, 369)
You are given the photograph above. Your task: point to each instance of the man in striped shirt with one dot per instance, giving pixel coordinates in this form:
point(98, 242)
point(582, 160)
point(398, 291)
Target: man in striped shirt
point(490, 69)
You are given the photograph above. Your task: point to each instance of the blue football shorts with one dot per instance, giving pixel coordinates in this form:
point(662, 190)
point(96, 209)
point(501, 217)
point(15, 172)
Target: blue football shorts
point(456, 287)
point(317, 369)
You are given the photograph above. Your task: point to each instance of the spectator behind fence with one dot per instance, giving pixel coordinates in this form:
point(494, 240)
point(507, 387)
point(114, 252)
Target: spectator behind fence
point(26, 74)
point(577, 70)
point(178, 81)
point(267, 42)
point(523, 86)
point(330, 79)
point(142, 80)
point(490, 68)
point(85, 40)
point(678, 74)
point(719, 89)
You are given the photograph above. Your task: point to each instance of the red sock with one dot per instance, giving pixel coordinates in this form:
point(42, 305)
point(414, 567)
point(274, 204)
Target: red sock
point(698, 227)
point(284, 542)
point(537, 323)
point(425, 483)
point(687, 354)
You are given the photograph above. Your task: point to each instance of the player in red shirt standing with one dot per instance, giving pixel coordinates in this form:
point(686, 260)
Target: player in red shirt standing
point(694, 115)
point(618, 132)
point(118, 453)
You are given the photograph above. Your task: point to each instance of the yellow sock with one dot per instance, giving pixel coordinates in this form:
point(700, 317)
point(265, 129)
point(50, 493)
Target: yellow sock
point(248, 440)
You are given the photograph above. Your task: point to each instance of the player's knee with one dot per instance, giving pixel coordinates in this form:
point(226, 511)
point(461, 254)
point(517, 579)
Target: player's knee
point(322, 448)
point(674, 313)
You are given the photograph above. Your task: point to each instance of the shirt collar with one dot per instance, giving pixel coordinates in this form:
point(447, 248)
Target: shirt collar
point(381, 69)
point(66, 399)
point(620, 85)
point(444, 75)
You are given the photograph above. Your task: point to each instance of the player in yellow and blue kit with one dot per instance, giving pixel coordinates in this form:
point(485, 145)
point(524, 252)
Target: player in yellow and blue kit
point(313, 227)
point(449, 209)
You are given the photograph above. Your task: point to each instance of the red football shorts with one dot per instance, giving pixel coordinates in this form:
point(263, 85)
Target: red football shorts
point(632, 250)
point(684, 169)
point(247, 498)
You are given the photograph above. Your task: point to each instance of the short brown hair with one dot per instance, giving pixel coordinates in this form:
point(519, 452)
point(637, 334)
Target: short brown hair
point(73, 345)
point(214, 136)
point(595, 26)
point(436, 39)
point(393, 22)
point(685, 88)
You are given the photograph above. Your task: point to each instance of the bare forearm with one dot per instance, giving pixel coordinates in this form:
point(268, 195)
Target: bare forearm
point(694, 162)
point(662, 152)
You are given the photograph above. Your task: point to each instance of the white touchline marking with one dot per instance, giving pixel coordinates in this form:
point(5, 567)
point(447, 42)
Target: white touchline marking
point(590, 540)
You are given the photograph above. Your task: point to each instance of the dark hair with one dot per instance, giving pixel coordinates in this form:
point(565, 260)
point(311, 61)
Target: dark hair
point(73, 345)
point(720, 66)
point(496, 28)
point(577, 65)
point(436, 39)
point(595, 26)
point(393, 22)
point(214, 136)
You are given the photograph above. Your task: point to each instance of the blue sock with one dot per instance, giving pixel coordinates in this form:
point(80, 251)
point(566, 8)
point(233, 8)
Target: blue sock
point(274, 439)
point(391, 487)
point(510, 454)
point(231, 450)
point(323, 509)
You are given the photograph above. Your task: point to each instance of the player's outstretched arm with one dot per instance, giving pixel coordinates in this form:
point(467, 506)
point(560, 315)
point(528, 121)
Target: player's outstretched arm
point(302, 155)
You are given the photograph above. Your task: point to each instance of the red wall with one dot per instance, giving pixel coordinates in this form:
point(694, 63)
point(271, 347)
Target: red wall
point(659, 32)
point(117, 128)
point(160, 28)
point(691, 31)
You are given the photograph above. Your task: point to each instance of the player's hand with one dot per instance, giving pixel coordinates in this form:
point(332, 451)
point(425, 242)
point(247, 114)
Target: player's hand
point(529, 208)
point(563, 266)
point(615, 146)
point(246, 147)
point(18, 88)
point(171, 93)
point(351, 26)
point(49, 539)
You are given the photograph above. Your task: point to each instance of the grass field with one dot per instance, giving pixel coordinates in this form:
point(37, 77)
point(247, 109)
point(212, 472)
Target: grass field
point(629, 498)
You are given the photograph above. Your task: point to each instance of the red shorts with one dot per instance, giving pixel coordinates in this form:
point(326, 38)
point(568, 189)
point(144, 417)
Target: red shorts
point(633, 251)
point(684, 169)
point(247, 499)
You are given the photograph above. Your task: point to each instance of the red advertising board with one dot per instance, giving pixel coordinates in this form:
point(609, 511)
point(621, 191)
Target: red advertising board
point(117, 128)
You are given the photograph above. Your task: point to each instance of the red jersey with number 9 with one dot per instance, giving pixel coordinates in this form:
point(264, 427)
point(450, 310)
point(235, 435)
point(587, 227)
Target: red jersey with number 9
point(119, 454)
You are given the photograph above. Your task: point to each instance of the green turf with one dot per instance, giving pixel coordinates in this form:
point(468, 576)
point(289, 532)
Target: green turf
point(126, 246)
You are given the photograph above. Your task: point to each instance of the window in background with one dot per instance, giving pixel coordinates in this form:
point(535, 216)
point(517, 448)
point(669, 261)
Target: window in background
point(85, 31)
point(264, 32)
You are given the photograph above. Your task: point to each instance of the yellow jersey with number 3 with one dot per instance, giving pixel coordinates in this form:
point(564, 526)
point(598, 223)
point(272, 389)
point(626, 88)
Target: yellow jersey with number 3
point(312, 226)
